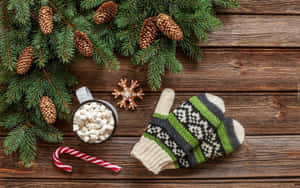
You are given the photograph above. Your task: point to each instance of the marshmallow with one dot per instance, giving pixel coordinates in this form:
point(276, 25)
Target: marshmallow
point(93, 122)
point(94, 137)
point(110, 127)
point(80, 133)
point(75, 127)
point(85, 139)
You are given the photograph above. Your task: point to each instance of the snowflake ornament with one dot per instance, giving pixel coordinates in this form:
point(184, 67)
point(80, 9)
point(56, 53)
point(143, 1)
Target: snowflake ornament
point(128, 94)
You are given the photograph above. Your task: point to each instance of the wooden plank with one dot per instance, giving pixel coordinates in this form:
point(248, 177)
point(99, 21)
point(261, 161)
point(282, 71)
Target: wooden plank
point(142, 183)
point(256, 31)
point(265, 7)
point(261, 156)
point(260, 113)
point(220, 70)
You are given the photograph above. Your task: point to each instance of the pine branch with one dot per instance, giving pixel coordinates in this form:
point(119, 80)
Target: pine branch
point(14, 91)
point(227, 3)
point(143, 56)
point(65, 104)
point(21, 9)
point(27, 151)
point(59, 13)
point(39, 43)
point(11, 120)
point(88, 4)
point(65, 45)
point(192, 50)
point(14, 139)
point(103, 54)
point(47, 133)
point(156, 69)
point(5, 48)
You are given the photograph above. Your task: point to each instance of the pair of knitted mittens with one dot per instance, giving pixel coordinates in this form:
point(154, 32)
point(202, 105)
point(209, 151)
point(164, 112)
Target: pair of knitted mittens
point(193, 133)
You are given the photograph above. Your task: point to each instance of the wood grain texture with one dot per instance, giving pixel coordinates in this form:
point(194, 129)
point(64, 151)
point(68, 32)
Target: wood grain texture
point(261, 156)
point(147, 184)
point(256, 31)
point(220, 70)
point(264, 7)
point(252, 62)
point(259, 113)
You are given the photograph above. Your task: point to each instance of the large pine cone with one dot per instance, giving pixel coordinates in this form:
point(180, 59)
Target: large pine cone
point(25, 61)
point(148, 33)
point(106, 12)
point(169, 27)
point(48, 109)
point(46, 20)
point(83, 44)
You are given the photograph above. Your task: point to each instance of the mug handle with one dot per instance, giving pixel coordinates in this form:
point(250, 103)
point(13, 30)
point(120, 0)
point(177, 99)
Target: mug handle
point(83, 94)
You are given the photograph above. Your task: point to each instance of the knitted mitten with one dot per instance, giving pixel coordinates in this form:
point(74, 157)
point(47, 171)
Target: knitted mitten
point(191, 134)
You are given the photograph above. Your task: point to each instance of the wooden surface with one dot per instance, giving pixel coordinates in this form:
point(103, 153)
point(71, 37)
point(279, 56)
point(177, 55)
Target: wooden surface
point(253, 62)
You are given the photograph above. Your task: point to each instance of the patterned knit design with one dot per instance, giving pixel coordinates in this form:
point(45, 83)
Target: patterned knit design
point(201, 129)
point(160, 133)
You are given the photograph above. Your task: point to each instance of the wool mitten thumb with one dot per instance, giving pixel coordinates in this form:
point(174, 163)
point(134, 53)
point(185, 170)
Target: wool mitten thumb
point(150, 150)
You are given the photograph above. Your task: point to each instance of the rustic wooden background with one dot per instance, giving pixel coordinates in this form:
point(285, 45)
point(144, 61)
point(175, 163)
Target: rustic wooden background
point(253, 62)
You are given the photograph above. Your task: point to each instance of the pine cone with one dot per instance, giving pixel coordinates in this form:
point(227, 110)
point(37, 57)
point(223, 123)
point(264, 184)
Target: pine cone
point(106, 12)
point(148, 33)
point(25, 61)
point(46, 20)
point(48, 109)
point(83, 44)
point(169, 27)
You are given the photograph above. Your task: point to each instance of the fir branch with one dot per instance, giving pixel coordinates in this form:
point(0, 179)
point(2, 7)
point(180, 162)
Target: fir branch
point(39, 43)
point(192, 50)
point(11, 120)
point(156, 68)
point(105, 57)
point(27, 148)
point(88, 4)
point(8, 51)
point(5, 48)
point(21, 9)
point(65, 45)
point(59, 13)
point(47, 133)
point(65, 104)
point(14, 139)
point(143, 56)
point(14, 91)
point(103, 54)
point(34, 93)
point(227, 3)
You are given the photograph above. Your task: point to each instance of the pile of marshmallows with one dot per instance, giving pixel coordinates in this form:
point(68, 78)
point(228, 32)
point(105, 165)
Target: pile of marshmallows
point(93, 122)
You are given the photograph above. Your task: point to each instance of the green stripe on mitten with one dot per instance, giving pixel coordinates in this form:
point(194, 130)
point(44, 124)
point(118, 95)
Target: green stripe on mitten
point(193, 133)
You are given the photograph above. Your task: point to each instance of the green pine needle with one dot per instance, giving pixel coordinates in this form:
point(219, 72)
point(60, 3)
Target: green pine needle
point(49, 73)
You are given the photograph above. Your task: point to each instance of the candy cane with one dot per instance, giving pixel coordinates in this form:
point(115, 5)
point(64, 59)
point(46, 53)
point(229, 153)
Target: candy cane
point(82, 156)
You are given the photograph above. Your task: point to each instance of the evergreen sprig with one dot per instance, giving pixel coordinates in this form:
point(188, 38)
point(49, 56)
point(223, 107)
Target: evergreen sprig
point(49, 74)
point(195, 18)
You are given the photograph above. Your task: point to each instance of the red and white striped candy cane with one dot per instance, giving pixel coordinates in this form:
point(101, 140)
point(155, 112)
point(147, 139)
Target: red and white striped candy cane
point(82, 156)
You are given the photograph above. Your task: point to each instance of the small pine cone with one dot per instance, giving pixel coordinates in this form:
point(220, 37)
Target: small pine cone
point(83, 44)
point(25, 61)
point(106, 12)
point(148, 33)
point(169, 27)
point(46, 20)
point(48, 109)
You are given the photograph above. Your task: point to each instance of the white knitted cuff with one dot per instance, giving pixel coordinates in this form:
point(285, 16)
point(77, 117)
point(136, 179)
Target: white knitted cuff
point(153, 157)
